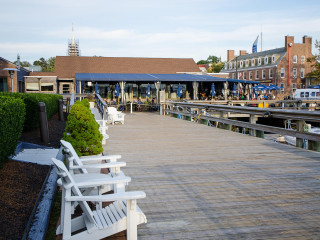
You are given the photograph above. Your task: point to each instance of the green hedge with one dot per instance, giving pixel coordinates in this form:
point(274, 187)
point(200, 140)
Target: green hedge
point(31, 101)
point(12, 117)
point(82, 130)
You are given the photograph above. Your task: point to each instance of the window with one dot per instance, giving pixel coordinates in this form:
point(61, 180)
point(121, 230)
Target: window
point(65, 88)
point(294, 73)
point(241, 64)
point(244, 75)
point(230, 65)
point(32, 86)
point(302, 94)
point(250, 75)
point(282, 87)
point(263, 74)
point(295, 59)
point(259, 61)
point(257, 74)
point(294, 86)
point(3, 85)
point(282, 73)
point(47, 87)
point(233, 75)
point(247, 63)
point(302, 73)
point(270, 73)
point(266, 60)
point(252, 62)
point(235, 65)
point(313, 94)
point(306, 94)
point(273, 59)
point(303, 59)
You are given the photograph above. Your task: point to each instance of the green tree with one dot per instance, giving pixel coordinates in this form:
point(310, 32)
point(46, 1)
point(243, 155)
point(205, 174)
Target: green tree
point(23, 63)
point(212, 59)
point(202, 62)
point(46, 64)
point(315, 74)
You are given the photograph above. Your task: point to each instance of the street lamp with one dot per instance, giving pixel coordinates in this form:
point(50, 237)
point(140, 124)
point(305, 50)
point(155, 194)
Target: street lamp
point(11, 72)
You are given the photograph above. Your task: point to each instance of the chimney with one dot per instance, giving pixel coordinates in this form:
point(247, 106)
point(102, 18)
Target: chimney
point(230, 55)
point(307, 40)
point(288, 40)
point(243, 52)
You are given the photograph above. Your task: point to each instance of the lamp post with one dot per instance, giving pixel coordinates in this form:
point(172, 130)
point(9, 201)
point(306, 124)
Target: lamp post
point(11, 73)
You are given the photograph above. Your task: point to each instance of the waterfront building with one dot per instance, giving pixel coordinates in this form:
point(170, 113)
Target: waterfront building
point(285, 67)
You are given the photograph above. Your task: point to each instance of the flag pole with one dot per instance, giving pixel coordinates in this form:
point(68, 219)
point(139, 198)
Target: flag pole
point(261, 41)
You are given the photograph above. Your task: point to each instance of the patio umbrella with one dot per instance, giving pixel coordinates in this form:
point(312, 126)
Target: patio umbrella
point(179, 91)
point(148, 90)
point(316, 86)
point(213, 92)
point(96, 88)
point(117, 90)
point(260, 87)
point(234, 90)
point(274, 87)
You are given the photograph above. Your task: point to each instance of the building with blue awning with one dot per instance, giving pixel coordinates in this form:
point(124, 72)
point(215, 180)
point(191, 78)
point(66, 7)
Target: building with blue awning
point(135, 74)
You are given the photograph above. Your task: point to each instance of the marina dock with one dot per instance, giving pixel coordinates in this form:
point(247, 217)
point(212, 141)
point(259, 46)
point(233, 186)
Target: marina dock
point(207, 183)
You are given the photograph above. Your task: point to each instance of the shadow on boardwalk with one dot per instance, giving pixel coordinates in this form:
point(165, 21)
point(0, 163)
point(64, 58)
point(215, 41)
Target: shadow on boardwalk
point(208, 183)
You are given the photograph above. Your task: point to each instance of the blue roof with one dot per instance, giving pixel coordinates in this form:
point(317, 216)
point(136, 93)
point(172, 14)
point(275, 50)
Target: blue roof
point(133, 77)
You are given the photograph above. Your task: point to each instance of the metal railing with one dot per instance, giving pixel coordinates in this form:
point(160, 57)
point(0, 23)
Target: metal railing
point(220, 114)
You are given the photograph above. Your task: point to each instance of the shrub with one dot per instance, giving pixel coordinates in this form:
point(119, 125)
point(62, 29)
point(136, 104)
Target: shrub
point(12, 116)
point(82, 131)
point(84, 102)
point(31, 101)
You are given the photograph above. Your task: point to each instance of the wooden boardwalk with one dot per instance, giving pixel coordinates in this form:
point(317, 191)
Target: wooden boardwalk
point(208, 183)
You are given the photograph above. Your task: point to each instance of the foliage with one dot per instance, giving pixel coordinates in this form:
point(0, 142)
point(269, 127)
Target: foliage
point(84, 102)
point(12, 115)
point(31, 101)
point(23, 63)
point(315, 74)
point(210, 59)
point(202, 62)
point(46, 64)
point(82, 131)
point(216, 67)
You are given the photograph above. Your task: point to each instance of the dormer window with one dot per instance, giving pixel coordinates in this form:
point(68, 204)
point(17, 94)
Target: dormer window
point(252, 62)
point(247, 63)
point(235, 65)
point(265, 60)
point(230, 65)
point(273, 59)
point(259, 61)
point(241, 64)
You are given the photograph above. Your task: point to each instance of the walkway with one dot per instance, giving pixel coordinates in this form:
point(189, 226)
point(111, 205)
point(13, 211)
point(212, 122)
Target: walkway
point(208, 183)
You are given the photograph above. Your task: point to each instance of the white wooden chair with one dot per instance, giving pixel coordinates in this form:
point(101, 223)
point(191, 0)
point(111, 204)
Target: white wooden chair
point(122, 214)
point(93, 165)
point(114, 115)
point(103, 130)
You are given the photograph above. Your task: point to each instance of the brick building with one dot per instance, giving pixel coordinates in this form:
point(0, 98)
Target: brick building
point(284, 67)
point(17, 79)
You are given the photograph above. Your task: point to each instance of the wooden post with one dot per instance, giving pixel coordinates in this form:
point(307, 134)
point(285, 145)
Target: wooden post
point(68, 105)
point(253, 119)
point(300, 128)
point(44, 131)
point(60, 108)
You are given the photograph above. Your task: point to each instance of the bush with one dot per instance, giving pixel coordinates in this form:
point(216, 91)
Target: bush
point(84, 102)
point(12, 116)
point(82, 131)
point(31, 101)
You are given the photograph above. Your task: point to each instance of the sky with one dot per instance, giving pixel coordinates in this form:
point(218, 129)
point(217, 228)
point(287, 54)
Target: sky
point(152, 28)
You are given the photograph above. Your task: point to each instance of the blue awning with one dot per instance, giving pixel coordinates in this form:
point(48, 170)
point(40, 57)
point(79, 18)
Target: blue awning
point(138, 77)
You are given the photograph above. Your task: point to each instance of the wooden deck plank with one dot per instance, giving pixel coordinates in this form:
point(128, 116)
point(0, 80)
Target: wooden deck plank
point(208, 183)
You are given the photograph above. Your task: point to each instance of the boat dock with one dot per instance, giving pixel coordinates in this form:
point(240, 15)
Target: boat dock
point(207, 183)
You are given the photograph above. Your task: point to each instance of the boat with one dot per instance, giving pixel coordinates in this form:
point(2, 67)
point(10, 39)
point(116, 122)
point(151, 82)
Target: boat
point(292, 140)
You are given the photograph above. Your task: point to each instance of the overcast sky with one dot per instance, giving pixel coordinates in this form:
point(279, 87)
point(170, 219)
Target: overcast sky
point(152, 28)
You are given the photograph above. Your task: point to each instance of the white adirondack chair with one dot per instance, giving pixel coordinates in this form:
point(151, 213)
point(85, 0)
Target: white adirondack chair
point(93, 165)
point(103, 130)
point(114, 115)
point(122, 214)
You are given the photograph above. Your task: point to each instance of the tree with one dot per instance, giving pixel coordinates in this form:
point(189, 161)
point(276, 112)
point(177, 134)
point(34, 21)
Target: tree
point(315, 74)
point(212, 59)
point(46, 64)
point(202, 62)
point(23, 63)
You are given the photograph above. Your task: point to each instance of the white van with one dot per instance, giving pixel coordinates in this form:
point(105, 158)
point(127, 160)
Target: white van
point(306, 94)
